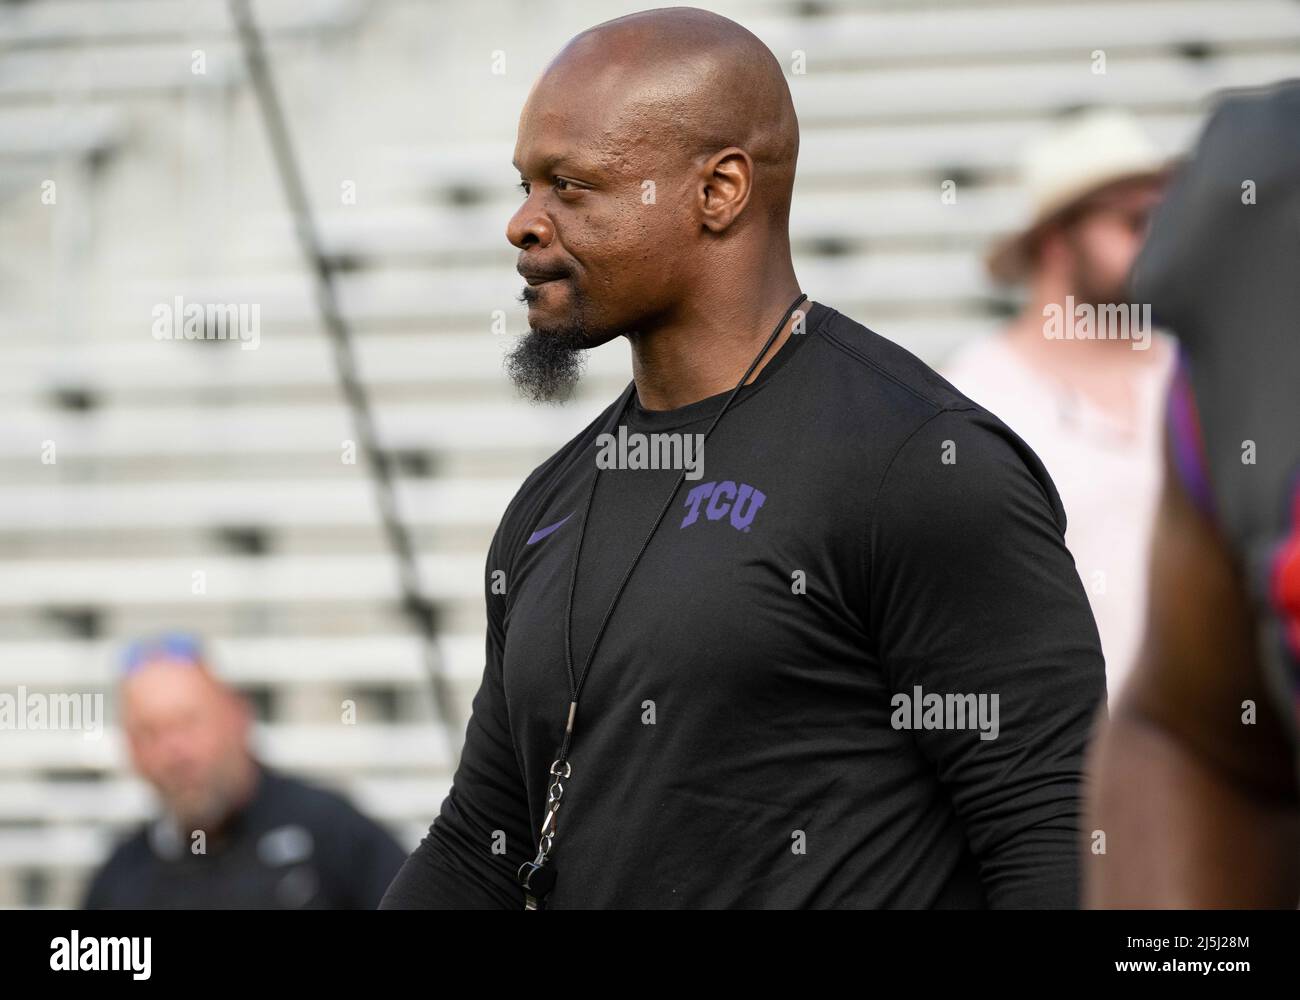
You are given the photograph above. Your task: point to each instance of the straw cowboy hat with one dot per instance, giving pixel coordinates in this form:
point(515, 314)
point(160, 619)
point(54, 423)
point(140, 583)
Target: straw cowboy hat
point(1093, 151)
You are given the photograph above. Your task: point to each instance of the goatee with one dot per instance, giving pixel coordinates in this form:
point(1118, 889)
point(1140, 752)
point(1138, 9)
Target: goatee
point(546, 363)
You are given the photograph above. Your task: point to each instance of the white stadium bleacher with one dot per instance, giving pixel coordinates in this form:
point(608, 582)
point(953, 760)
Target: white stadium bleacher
point(133, 173)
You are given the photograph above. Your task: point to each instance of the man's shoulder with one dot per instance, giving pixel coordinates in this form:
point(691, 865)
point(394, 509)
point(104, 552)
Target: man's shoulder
point(118, 874)
point(925, 422)
point(878, 363)
point(882, 387)
point(130, 848)
point(292, 798)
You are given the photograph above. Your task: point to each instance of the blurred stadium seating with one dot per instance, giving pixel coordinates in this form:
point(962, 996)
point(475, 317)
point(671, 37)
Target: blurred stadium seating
point(174, 457)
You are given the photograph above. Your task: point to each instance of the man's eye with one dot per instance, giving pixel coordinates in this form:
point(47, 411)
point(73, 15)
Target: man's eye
point(559, 184)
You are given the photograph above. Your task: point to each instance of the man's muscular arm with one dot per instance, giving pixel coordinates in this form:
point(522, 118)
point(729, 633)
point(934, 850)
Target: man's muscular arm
point(458, 865)
point(1199, 809)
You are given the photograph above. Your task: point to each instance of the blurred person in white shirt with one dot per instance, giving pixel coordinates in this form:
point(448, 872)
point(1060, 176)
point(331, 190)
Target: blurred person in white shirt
point(1079, 373)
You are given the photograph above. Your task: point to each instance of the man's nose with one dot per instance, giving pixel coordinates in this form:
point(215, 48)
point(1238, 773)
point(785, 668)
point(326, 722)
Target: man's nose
point(529, 227)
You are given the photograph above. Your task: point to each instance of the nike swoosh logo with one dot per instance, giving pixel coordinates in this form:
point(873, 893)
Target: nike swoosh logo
point(541, 533)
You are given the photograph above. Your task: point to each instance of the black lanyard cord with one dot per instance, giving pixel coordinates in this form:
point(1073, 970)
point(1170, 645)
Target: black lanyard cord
point(575, 684)
point(535, 881)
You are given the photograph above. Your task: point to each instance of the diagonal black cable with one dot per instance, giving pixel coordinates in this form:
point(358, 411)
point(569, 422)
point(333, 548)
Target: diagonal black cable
point(414, 603)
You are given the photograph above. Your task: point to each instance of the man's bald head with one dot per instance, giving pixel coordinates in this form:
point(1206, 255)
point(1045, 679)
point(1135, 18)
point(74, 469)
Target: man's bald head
point(658, 152)
point(691, 82)
point(187, 733)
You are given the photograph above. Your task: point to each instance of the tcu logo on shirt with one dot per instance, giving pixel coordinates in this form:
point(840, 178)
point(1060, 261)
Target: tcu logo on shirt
point(741, 502)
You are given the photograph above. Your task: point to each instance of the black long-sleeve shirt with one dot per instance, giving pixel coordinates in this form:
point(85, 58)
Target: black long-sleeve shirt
point(861, 533)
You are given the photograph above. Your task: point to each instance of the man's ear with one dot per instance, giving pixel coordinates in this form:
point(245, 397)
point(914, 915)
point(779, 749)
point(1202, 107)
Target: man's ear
point(727, 179)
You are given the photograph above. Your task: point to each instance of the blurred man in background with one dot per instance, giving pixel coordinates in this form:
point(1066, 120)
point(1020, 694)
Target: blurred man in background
point(1196, 801)
point(1078, 373)
point(233, 834)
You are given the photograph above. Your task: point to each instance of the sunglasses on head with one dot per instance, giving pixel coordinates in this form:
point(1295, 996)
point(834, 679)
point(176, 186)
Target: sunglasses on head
point(176, 646)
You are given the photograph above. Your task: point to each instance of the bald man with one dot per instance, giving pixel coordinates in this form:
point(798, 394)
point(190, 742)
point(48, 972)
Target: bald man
point(791, 623)
point(234, 834)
